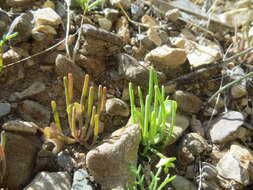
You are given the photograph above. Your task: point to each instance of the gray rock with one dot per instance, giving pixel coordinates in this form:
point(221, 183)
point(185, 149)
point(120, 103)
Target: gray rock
point(111, 14)
point(23, 25)
point(192, 146)
point(21, 127)
point(145, 41)
point(4, 22)
point(187, 102)
point(35, 112)
point(116, 106)
point(225, 128)
point(109, 163)
point(63, 66)
point(136, 12)
point(196, 126)
point(50, 181)
point(20, 152)
point(134, 71)
point(81, 180)
point(65, 161)
point(5, 109)
point(181, 183)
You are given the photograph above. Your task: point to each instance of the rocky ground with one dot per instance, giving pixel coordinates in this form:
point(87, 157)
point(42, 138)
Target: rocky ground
point(197, 47)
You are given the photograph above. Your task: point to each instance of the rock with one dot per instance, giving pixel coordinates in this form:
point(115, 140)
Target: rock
point(99, 42)
point(187, 102)
point(124, 3)
point(229, 168)
point(122, 29)
point(181, 183)
point(179, 42)
point(153, 35)
point(20, 152)
point(225, 128)
point(135, 71)
point(197, 127)
point(149, 21)
point(33, 111)
point(243, 4)
point(18, 126)
point(182, 123)
point(11, 56)
point(65, 161)
point(23, 25)
point(136, 12)
point(4, 22)
point(172, 15)
point(236, 17)
point(46, 161)
point(238, 90)
point(48, 4)
point(19, 3)
point(63, 66)
point(167, 57)
point(191, 146)
point(5, 109)
point(109, 162)
point(81, 180)
point(145, 41)
point(46, 29)
point(116, 106)
point(105, 23)
point(111, 14)
point(47, 16)
point(199, 55)
point(50, 181)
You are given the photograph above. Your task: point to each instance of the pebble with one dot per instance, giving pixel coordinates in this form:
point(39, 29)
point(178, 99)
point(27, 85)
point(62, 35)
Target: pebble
point(65, 161)
point(111, 14)
point(172, 15)
point(21, 126)
point(81, 180)
point(116, 106)
point(105, 23)
point(181, 183)
point(47, 16)
point(46, 29)
point(5, 109)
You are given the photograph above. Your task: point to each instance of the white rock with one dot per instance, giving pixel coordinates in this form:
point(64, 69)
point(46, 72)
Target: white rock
point(47, 16)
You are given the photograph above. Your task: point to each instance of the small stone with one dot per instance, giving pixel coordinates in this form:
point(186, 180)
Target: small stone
point(122, 28)
point(19, 2)
point(47, 29)
point(178, 42)
point(149, 21)
point(169, 57)
point(116, 106)
point(49, 4)
point(153, 35)
point(105, 23)
point(192, 146)
point(110, 162)
point(81, 180)
point(172, 15)
point(196, 126)
point(5, 109)
point(238, 90)
point(50, 181)
point(33, 111)
point(236, 17)
point(65, 161)
point(4, 22)
point(181, 183)
point(121, 3)
point(187, 102)
point(21, 127)
point(11, 56)
point(47, 16)
point(136, 11)
point(225, 127)
point(111, 14)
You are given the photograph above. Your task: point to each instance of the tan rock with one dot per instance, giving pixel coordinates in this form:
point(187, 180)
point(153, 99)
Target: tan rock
point(47, 29)
point(153, 35)
point(149, 21)
point(47, 16)
point(172, 15)
point(105, 23)
point(122, 28)
point(170, 57)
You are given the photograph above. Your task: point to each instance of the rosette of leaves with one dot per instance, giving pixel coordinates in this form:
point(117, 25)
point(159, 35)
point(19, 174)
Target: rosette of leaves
point(83, 116)
point(154, 114)
point(88, 5)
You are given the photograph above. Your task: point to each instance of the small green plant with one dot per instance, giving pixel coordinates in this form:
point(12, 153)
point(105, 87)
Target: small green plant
point(2, 42)
point(83, 116)
point(153, 116)
point(88, 5)
point(2, 157)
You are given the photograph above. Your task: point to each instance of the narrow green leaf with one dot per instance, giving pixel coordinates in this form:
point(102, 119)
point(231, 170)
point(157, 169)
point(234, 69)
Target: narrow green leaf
point(56, 117)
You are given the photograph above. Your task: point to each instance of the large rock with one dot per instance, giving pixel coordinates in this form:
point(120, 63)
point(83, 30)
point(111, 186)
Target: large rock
point(226, 127)
point(110, 162)
point(50, 181)
point(20, 151)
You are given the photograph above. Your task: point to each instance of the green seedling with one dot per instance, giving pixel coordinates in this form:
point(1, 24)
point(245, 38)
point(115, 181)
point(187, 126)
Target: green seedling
point(2, 42)
point(154, 114)
point(83, 116)
point(2, 157)
point(88, 5)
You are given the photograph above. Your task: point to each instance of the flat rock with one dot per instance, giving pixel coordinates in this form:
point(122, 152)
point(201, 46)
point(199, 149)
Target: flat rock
point(47, 16)
point(19, 2)
point(225, 127)
point(109, 162)
point(181, 183)
point(21, 127)
point(50, 181)
point(5, 109)
point(116, 106)
point(81, 180)
point(35, 112)
point(192, 146)
point(187, 102)
point(20, 151)
point(166, 56)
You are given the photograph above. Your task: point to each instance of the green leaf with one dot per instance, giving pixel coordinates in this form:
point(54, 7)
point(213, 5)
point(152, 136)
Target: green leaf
point(95, 4)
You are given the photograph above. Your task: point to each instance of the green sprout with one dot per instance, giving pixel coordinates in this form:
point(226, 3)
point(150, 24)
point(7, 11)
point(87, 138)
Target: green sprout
point(88, 5)
point(154, 114)
point(2, 42)
point(2, 157)
point(83, 116)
